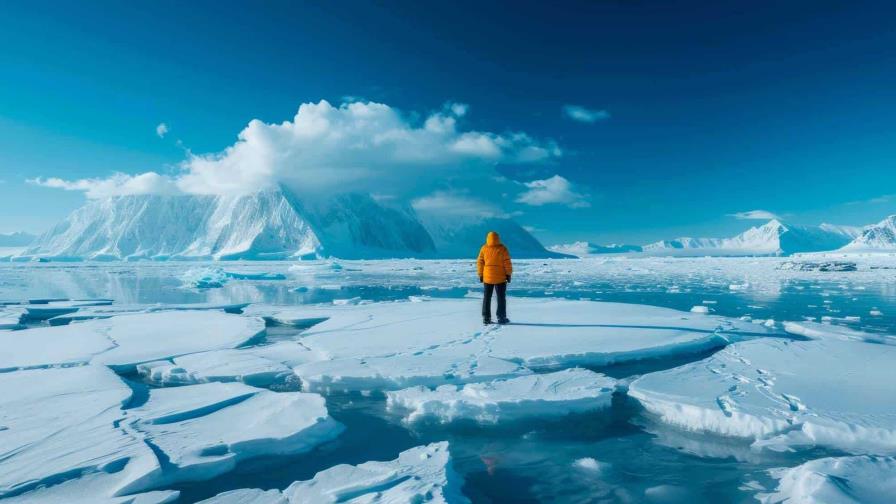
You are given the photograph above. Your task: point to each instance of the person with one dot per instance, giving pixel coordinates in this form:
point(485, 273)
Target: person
point(494, 269)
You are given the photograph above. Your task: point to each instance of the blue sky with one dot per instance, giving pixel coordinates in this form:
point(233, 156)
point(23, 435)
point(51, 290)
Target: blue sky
point(659, 118)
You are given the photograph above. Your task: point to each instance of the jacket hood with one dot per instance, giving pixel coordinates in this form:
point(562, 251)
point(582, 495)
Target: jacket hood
point(492, 239)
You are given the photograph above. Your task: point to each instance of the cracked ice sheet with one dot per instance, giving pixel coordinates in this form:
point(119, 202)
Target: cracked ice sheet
point(541, 395)
point(836, 480)
point(58, 423)
point(127, 340)
point(781, 394)
point(106, 311)
point(204, 430)
point(402, 344)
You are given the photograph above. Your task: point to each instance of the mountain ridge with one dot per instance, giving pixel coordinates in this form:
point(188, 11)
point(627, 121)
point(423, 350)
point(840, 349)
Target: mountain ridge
point(269, 224)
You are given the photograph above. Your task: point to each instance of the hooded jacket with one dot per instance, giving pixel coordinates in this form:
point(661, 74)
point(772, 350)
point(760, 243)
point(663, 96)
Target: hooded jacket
point(494, 264)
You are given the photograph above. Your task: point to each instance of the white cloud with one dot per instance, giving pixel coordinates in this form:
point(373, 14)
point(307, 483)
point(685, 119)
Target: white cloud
point(554, 190)
point(119, 184)
point(162, 130)
point(448, 204)
point(585, 115)
point(355, 147)
point(754, 215)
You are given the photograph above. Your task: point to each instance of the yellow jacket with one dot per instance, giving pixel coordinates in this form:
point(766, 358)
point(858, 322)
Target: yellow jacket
point(494, 264)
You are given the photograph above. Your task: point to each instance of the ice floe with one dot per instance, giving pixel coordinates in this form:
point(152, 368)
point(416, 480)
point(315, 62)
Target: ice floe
point(399, 345)
point(58, 423)
point(539, 395)
point(421, 474)
point(836, 480)
point(782, 394)
point(204, 430)
point(127, 340)
point(216, 365)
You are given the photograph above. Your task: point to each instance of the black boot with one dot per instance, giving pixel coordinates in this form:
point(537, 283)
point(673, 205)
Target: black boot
point(486, 321)
point(503, 321)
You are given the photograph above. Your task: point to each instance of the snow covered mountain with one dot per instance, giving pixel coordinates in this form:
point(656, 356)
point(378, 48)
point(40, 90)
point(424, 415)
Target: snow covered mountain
point(584, 248)
point(17, 239)
point(772, 238)
point(271, 224)
point(880, 236)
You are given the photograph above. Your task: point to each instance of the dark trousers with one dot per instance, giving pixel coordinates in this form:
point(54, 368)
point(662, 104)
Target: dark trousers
point(501, 289)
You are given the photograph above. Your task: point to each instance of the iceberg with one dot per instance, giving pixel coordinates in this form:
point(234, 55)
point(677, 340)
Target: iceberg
point(772, 238)
point(781, 394)
point(836, 480)
point(269, 224)
point(537, 395)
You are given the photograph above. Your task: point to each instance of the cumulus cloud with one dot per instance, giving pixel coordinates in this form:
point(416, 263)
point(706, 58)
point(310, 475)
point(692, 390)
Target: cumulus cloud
point(430, 161)
point(119, 184)
point(357, 145)
point(754, 215)
point(585, 115)
point(162, 130)
point(554, 190)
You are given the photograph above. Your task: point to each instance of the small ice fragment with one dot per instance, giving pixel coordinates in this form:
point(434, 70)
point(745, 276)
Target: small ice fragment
point(700, 309)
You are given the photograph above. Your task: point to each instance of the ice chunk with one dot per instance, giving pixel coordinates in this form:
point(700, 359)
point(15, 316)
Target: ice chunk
point(217, 365)
point(248, 496)
point(782, 394)
point(836, 480)
point(204, 278)
point(421, 474)
point(61, 422)
point(700, 309)
point(540, 395)
point(301, 317)
point(11, 317)
point(822, 331)
point(204, 430)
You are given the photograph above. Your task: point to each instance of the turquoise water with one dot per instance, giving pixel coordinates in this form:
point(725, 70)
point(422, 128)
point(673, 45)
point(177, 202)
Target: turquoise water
point(531, 461)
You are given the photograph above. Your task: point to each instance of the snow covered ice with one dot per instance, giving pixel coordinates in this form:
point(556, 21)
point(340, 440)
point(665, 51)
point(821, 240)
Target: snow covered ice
point(118, 385)
point(538, 395)
point(127, 340)
point(836, 480)
point(780, 394)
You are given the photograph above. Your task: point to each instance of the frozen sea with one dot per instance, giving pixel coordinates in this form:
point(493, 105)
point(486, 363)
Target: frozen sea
point(617, 451)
